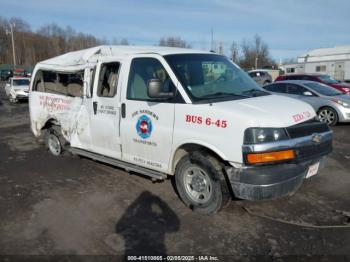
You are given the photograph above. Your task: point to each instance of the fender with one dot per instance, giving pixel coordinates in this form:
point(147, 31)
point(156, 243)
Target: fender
point(195, 142)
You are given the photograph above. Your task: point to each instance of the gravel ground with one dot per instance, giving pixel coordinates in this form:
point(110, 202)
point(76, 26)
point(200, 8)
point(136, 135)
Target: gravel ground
point(74, 206)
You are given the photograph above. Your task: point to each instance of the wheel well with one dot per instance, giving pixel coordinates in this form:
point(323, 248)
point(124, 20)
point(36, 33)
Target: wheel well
point(188, 148)
point(50, 123)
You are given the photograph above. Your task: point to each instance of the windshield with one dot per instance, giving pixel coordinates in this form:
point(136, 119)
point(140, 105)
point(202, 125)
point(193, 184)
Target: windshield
point(328, 80)
point(323, 89)
point(211, 76)
point(21, 82)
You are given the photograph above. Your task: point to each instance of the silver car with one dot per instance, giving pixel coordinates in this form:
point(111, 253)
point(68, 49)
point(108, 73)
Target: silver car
point(261, 77)
point(330, 105)
point(17, 89)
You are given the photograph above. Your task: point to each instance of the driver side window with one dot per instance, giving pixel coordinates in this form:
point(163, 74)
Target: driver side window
point(142, 70)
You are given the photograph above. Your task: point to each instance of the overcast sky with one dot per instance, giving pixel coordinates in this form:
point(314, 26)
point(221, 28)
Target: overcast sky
point(289, 27)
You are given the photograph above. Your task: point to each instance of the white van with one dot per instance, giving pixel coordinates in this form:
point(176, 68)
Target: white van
point(190, 114)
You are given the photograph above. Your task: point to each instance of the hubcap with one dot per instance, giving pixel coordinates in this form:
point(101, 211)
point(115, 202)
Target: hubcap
point(197, 184)
point(327, 116)
point(54, 145)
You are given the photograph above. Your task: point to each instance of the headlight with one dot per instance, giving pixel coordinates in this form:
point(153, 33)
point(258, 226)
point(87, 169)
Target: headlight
point(255, 135)
point(340, 102)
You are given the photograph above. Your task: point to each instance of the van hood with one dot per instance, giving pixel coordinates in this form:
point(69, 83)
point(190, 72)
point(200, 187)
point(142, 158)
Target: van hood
point(268, 111)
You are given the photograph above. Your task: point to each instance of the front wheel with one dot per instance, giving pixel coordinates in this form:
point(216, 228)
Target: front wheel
point(12, 99)
point(328, 115)
point(201, 183)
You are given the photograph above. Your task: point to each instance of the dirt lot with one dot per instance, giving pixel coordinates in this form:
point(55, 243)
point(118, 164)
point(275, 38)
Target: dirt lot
point(70, 205)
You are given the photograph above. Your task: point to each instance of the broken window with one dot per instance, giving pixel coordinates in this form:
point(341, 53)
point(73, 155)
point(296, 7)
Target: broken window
point(108, 80)
point(69, 84)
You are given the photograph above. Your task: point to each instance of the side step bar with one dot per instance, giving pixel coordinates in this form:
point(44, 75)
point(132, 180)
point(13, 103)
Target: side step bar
point(127, 166)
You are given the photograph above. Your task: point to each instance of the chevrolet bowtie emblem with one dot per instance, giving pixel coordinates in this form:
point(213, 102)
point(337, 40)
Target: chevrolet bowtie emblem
point(316, 138)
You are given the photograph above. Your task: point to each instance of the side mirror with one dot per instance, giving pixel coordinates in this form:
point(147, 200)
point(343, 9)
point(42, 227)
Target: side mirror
point(155, 90)
point(307, 93)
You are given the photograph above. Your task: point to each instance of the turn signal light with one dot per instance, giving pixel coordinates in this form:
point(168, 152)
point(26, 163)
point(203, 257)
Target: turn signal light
point(258, 158)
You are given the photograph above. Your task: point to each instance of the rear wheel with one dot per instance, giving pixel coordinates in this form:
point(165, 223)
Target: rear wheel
point(201, 183)
point(54, 141)
point(328, 115)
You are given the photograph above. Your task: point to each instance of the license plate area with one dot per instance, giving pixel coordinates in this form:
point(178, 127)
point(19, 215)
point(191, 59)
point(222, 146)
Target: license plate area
point(313, 170)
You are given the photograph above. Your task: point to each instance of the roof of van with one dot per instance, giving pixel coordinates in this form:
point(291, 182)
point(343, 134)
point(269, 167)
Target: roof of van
point(85, 56)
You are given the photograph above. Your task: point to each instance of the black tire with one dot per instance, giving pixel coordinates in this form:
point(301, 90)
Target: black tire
point(328, 115)
point(54, 141)
point(207, 175)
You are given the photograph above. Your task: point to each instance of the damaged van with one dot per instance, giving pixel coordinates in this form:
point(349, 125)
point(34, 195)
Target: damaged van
point(170, 112)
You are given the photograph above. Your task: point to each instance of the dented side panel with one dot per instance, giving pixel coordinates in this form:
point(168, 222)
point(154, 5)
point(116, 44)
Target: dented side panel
point(68, 112)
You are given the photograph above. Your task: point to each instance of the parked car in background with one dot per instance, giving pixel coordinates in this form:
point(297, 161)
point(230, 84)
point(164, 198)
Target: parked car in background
point(331, 105)
point(17, 89)
point(260, 76)
point(5, 75)
point(321, 78)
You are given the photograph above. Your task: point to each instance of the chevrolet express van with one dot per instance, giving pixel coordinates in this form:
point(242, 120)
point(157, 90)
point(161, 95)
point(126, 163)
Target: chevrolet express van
point(170, 112)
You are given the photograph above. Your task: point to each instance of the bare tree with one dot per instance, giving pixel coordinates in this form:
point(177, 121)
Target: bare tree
point(235, 52)
point(255, 54)
point(173, 41)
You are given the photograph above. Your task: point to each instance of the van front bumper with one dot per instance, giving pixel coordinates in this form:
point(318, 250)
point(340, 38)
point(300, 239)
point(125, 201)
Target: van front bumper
point(277, 180)
point(270, 181)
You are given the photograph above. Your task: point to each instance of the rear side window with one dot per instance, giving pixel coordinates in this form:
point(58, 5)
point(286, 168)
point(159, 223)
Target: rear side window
point(277, 88)
point(295, 89)
point(69, 84)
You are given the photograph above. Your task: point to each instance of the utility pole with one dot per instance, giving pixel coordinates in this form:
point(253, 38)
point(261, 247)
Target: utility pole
point(256, 62)
point(221, 49)
point(212, 40)
point(13, 43)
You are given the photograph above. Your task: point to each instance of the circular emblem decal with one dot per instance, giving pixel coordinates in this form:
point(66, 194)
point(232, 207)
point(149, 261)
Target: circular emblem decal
point(144, 126)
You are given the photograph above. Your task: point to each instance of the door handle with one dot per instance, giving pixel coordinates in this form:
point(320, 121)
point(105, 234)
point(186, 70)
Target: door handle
point(94, 105)
point(123, 110)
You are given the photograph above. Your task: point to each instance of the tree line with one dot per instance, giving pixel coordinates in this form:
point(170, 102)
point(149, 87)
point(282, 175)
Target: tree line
point(48, 41)
point(52, 40)
point(251, 53)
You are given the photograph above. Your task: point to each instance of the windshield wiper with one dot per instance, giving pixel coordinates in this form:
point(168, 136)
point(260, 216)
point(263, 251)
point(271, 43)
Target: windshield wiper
point(221, 94)
point(254, 92)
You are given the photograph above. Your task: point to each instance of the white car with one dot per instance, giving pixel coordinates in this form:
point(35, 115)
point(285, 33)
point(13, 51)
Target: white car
point(17, 88)
point(171, 112)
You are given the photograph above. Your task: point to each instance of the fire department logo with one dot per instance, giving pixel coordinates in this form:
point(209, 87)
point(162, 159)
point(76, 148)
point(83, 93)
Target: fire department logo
point(144, 126)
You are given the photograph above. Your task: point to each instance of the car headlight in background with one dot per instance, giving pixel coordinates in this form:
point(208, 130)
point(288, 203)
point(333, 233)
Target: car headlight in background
point(256, 135)
point(340, 102)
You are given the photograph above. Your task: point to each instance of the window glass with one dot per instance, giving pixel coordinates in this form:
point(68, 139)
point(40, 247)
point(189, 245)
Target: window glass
point(278, 88)
point(108, 80)
point(212, 77)
point(20, 82)
point(323, 89)
point(327, 79)
point(141, 72)
point(321, 68)
point(295, 89)
point(70, 84)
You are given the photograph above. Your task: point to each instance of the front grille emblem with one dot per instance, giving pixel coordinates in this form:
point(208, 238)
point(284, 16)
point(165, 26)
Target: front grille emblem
point(316, 138)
